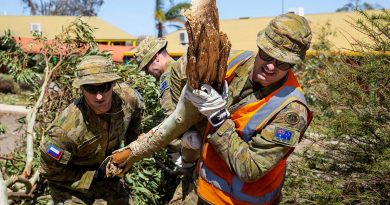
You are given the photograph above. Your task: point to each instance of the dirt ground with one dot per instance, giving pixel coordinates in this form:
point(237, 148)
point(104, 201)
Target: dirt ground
point(12, 137)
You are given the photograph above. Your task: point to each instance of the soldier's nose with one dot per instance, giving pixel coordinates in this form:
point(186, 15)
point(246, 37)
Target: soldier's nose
point(99, 96)
point(271, 66)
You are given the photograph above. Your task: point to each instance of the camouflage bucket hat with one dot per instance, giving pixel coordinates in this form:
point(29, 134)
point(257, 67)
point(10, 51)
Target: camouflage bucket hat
point(286, 38)
point(94, 69)
point(147, 49)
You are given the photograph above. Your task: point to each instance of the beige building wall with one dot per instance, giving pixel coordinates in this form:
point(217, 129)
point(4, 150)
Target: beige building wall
point(243, 32)
point(52, 25)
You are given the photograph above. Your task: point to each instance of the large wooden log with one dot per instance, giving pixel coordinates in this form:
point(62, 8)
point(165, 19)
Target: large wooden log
point(208, 48)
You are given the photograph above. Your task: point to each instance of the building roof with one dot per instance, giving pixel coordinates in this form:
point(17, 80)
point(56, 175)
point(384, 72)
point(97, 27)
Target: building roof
point(52, 25)
point(29, 45)
point(243, 32)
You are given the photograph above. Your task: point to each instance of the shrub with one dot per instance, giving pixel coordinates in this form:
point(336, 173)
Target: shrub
point(349, 162)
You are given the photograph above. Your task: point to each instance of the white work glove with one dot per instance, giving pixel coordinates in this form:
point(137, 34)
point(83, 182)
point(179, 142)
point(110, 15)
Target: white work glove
point(176, 159)
point(210, 103)
point(191, 139)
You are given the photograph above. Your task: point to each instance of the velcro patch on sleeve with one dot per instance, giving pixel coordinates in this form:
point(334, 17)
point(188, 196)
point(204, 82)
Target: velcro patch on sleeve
point(226, 128)
point(283, 135)
point(280, 135)
point(163, 86)
point(54, 152)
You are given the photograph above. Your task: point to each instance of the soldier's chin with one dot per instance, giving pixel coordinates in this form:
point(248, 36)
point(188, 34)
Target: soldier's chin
point(101, 110)
point(157, 75)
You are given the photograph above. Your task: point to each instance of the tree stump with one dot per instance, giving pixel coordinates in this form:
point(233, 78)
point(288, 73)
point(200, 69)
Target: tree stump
point(208, 48)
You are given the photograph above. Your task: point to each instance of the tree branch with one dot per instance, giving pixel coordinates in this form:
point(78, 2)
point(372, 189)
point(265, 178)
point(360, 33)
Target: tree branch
point(3, 190)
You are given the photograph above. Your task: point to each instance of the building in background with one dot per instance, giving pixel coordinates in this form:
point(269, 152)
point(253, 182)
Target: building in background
point(109, 37)
point(242, 32)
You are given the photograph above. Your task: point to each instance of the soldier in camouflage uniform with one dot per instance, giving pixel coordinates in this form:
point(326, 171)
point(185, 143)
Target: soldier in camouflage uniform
point(153, 58)
point(106, 117)
point(243, 158)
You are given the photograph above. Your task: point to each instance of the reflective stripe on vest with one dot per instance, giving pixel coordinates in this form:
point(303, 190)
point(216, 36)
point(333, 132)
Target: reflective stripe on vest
point(274, 105)
point(235, 189)
point(217, 184)
point(237, 59)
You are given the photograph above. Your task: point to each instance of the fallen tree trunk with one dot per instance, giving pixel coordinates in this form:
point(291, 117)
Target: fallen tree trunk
point(207, 55)
point(208, 48)
point(32, 114)
point(3, 190)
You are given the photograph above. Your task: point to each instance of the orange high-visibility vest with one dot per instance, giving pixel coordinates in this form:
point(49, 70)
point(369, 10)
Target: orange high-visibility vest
point(217, 184)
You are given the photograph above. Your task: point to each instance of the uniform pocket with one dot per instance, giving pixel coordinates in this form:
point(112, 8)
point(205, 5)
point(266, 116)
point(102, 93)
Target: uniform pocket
point(89, 151)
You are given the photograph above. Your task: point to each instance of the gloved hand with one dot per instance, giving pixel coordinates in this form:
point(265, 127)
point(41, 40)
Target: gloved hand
point(101, 172)
point(210, 103)
point(191, 139)
point(118, 163)
point(175, 158)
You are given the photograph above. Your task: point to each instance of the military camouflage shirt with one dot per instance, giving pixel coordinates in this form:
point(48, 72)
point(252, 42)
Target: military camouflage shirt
point(172, 82)
point(250, 161)
point(78, 140)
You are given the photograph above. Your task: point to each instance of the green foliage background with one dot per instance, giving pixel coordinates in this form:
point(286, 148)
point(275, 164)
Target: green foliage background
point(150, 182)
point(345, 158)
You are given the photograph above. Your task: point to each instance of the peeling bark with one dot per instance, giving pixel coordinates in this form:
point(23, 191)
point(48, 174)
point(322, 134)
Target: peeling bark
point(208, 48)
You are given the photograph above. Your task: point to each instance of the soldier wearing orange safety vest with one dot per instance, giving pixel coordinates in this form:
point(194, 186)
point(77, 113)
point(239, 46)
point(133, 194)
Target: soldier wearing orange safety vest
point(243, 161)
point(256, 121)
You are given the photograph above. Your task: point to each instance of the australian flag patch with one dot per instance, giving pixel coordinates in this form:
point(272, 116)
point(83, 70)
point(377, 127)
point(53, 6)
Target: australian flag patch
point(283, 135)
point(54, 152)
point(163, 86)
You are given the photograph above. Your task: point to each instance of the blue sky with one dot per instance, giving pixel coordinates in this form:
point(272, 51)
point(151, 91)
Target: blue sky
point(136, 16)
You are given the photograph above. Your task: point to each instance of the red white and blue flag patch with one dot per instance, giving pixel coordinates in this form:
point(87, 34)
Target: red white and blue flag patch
point(54, 152)
point(283, 135)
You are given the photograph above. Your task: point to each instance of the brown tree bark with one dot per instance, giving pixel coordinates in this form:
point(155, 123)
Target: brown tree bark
point(208, 48)
point(33, 10)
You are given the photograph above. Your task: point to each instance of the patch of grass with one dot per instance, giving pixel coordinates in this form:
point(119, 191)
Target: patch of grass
point(15, 99)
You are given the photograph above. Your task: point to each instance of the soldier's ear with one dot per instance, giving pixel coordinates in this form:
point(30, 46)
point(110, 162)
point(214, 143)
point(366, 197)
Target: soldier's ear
point(158, 56)
point(82, 89)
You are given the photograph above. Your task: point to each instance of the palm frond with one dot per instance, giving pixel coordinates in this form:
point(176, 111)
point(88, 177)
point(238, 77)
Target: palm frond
point(175, 11)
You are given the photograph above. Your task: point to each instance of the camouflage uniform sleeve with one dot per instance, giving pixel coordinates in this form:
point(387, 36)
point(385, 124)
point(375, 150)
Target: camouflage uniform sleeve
point(250, 161)
point(171, 84)
point(178, 78)
point(56, 154)
point(166, 100)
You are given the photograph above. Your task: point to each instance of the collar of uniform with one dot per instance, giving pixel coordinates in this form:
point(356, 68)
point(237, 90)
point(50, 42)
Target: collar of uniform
point(168, 67)
point(244, 69)
point(169, 64)
point(262, 91)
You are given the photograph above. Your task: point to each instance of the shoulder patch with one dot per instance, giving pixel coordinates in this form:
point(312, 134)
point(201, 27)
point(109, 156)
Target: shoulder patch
point(283, 135)
point(280, 135)
point(54, 152)
point(163, 86)
point(291, 118)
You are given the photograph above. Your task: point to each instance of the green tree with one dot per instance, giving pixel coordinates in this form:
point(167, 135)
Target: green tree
point(15, 62)
point(348, 161)
point(354, 5)
point(64, 8)
point(151, 180)
point(60, 57)
point(172, 14)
